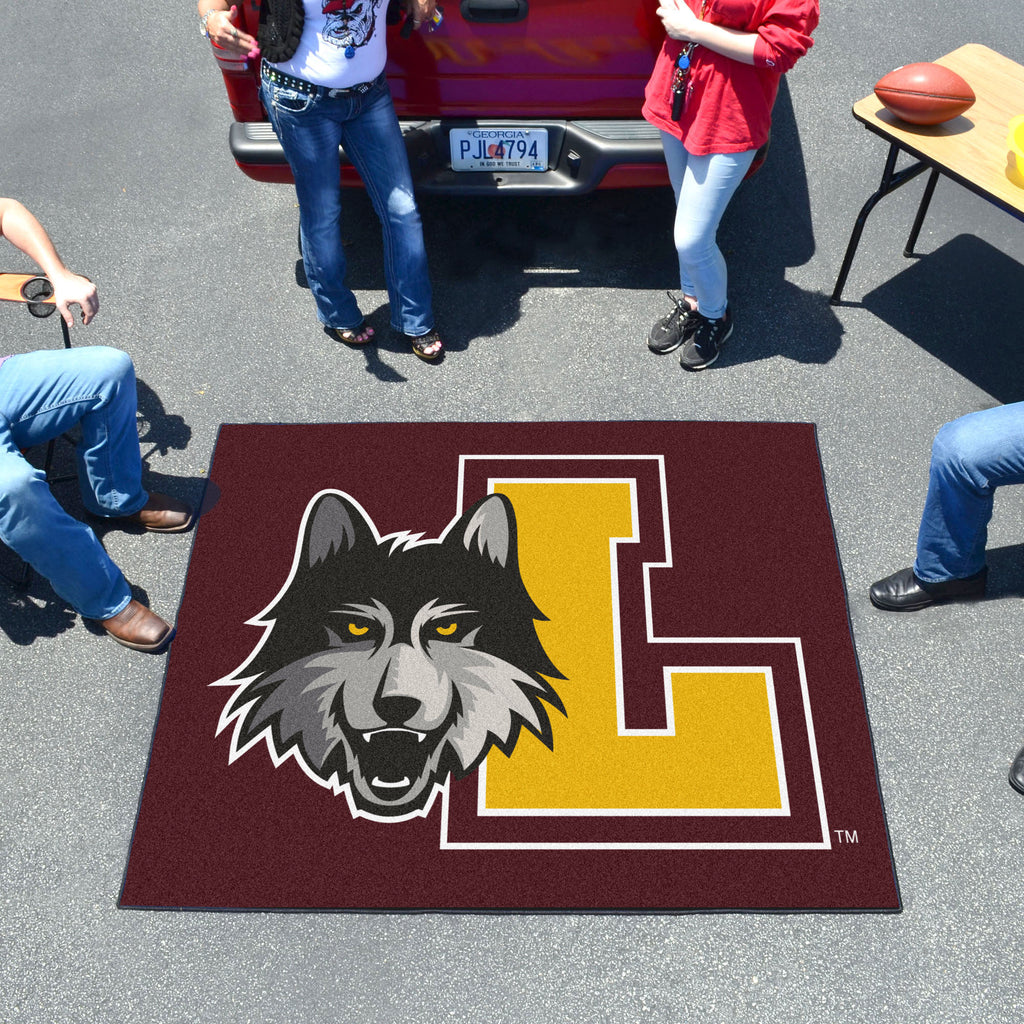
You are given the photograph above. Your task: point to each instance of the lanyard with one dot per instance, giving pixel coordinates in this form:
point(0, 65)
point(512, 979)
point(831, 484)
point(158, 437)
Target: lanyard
point(682, 71)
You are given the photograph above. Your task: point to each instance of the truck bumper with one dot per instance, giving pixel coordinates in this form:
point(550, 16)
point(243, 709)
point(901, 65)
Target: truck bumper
point(583, 155)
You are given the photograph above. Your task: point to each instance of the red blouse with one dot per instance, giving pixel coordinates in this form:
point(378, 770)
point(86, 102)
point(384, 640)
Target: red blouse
point(728, 104)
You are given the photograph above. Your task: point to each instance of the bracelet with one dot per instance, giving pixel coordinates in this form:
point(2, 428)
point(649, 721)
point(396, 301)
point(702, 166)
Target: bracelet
point(205, 18)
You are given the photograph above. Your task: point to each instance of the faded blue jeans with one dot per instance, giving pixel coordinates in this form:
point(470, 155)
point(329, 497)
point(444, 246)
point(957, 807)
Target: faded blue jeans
point(703, 186)
point(43, 395)
point(310, 128)
point(971, 457)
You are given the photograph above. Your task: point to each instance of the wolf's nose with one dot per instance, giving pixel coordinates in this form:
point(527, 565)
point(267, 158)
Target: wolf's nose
point(396, 710)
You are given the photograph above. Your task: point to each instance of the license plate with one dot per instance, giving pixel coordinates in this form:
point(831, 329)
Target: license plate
point(499, 149)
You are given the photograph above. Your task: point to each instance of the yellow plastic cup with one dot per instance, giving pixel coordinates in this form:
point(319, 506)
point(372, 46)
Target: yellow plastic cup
point(1015, 158)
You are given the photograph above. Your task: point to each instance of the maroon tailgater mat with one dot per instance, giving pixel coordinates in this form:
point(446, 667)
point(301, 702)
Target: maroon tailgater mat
point(513, 667)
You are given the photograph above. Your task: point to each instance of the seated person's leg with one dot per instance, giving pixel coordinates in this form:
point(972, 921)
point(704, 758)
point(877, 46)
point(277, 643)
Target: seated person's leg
point(65, 551)
point(971, 457)
point(47, 393)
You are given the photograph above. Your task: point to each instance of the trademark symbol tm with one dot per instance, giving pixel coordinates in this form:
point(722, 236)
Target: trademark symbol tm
point(844, 837)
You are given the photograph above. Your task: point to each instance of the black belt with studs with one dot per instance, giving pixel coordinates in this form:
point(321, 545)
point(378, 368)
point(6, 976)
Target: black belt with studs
point(271, 74)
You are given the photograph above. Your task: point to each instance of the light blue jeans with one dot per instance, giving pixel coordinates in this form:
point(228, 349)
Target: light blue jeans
point(703, 186)
point(971, 457)
point(310, 128)
point(42, 395)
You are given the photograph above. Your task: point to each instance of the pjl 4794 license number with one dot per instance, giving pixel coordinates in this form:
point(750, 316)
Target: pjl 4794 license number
point(499, 149)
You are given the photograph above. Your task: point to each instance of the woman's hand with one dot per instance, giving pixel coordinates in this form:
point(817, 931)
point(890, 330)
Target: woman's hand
point(420, 11)
point(224, 32)
point(74, 290)
point(679, 21)
point(682, 24)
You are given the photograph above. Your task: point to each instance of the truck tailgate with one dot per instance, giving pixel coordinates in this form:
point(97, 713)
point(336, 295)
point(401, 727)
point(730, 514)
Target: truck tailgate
point(528, 58)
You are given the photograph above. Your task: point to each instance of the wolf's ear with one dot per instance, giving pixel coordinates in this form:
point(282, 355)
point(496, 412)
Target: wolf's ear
point(335, 524)
point(489, 530)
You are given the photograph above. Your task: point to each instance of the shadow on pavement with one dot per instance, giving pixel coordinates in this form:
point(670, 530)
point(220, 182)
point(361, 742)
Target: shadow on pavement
point(1005, 571)
point(767, 229)
point(27, 615)
point(964, 304)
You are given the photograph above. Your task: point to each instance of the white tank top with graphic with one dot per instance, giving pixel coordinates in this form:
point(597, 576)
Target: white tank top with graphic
point(342, 43)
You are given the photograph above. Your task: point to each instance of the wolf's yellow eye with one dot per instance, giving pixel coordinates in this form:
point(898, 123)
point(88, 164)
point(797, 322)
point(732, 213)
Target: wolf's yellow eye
point(358, 630)
point(447, 630)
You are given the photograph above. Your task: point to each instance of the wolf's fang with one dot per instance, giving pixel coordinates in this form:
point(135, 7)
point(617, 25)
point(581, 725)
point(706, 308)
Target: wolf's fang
point(377, 781)
point(420, 736)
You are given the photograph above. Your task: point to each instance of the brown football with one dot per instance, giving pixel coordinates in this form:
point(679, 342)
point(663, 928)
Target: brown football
point(924, 93)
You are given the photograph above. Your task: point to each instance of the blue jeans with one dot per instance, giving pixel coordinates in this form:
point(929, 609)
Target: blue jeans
point(310, 128)
point(703, 186)
point(42, 395)
point(971, 457)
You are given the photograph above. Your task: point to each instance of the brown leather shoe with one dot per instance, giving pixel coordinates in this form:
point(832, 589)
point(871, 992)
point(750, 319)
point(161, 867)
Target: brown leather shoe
point(161, 514)
point(137, 627)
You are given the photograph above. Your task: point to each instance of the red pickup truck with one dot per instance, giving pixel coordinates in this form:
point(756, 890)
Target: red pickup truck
point(524, 96)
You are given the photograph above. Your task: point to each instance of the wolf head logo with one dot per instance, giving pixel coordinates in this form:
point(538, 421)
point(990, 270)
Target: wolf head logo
point(390, 663)
point(350, 22)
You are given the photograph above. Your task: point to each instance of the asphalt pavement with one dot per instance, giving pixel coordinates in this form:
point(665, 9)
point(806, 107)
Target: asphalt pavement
point(113, 130)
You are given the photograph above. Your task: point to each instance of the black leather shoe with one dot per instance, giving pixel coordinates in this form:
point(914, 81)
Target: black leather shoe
point(1017, 771)
point(904, 592)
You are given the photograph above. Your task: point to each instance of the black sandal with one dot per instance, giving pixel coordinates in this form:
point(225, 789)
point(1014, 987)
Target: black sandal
point(422, 343)
point(351, 335)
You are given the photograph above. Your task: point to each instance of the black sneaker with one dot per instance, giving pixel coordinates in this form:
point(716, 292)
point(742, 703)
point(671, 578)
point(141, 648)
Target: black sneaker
point(672, 330)
point(703, 346)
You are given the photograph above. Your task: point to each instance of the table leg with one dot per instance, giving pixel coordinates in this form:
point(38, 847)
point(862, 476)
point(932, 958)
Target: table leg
point(891, 180)
point(929, 191)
